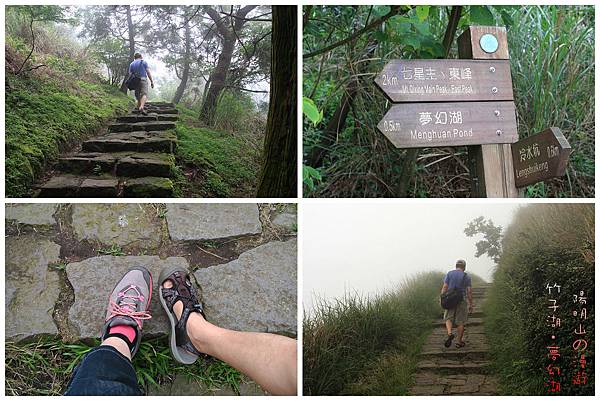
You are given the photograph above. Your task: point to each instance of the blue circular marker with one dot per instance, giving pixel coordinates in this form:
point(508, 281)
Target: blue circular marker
point(488, 43)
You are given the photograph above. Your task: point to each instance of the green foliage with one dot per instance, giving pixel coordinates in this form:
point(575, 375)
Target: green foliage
point(492, 236)
point(310, 111)
point(310, 176)
point(545, 244)
point(113, 250)
point(228, 163)
point(235, 112)
point(481, 15)
point(348, 341)
point(46, 13)
point(44, 367)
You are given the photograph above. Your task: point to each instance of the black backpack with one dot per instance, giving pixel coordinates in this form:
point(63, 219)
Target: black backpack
point(133, 82)
point(453, 297)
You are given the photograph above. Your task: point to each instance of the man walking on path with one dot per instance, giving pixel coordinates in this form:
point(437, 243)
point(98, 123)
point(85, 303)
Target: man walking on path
point(458, 279)
point(139, 68)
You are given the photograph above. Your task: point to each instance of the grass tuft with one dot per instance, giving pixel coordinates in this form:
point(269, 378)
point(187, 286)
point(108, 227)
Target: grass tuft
point(369, 345)
point(113, 250)
point(44, 367)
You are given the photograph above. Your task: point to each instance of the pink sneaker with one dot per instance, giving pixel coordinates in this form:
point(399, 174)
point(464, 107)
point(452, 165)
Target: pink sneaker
point(129, 303)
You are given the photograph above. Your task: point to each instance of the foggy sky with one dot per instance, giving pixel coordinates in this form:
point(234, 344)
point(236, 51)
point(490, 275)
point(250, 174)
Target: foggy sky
point(371, 247)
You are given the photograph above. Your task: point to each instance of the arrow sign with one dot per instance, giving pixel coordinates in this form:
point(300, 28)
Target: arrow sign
point(424, 125)
point(540, 156)
point(446, 80)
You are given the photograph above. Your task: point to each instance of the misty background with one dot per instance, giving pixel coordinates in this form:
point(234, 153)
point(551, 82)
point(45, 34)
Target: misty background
point(368, 248)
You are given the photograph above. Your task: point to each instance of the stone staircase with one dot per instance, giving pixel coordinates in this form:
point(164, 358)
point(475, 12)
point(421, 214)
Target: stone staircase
point(456, 371)
point(134, 159)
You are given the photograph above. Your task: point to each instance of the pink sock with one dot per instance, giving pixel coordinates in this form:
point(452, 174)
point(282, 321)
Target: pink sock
point(127, 331)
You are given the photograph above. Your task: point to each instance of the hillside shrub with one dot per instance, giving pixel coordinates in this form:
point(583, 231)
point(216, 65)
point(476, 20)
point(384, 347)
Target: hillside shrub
point(545, 244)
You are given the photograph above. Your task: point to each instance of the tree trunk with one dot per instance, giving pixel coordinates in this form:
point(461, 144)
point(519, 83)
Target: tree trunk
point(278, 177)
point(186, 65)
point(229, 29)
point(217, 80)
point(131, 31)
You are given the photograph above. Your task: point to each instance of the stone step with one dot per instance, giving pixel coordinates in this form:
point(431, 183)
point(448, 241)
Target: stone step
point(139, 141)
point(129, 164)
point(88, 162)
point(470, 322)
point(477, 312)
point(161, 104)
point(440, 331)
point(458, 353)
point(148, 187)
point(162, 110)
point(141, 126)
point(72, 186)
point(470, 337)
point(145, 165)
point(138, 118)
point(432, 383)
point(458, 366)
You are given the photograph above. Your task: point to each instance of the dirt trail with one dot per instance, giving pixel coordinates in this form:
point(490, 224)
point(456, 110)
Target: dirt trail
point(456, 371)
point(134, 159)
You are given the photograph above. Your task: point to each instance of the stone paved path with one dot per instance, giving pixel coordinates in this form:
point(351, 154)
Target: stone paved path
point(135, 159)
point(452, 371)
point(57, 276)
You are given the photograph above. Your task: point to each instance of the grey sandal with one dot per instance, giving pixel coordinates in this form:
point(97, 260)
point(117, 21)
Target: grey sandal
point(183, 290)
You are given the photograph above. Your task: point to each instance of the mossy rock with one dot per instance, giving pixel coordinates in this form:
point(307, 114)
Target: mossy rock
point(148, 187)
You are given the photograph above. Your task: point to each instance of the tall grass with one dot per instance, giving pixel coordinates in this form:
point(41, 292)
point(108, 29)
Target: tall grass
point(546, 243)
point(369, 345)
point(553, 64)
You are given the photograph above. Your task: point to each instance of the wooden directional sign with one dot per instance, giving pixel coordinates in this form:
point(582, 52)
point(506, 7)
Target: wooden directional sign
point(446, 80)
point(424, 125)
point(540, 156)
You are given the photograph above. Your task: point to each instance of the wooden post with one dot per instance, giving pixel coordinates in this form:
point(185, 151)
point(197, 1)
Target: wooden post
point(491, 166)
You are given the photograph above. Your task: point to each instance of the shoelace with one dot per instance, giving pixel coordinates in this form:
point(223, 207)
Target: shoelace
point(127, 306)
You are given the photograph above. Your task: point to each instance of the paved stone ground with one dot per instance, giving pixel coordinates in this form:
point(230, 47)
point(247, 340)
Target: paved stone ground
point(212, 220)
point(63, 260)
point(134, 159)
point(452, 371)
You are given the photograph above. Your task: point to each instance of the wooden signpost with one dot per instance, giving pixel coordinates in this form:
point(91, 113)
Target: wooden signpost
point(540, 157)
point(469, 102)
point(420, 125)
point(446, 80)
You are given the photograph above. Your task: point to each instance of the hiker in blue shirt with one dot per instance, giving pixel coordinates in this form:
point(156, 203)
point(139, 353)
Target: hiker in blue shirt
point(458, 279)
point(139, 68)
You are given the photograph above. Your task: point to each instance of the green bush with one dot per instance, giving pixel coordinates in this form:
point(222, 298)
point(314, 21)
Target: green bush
point(545, 244)
point(235, 112)
point(228, 163)
point(369, 345)
point(42, 117)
